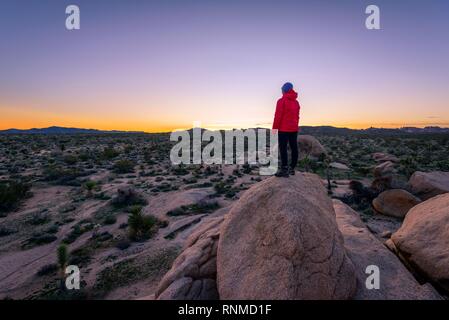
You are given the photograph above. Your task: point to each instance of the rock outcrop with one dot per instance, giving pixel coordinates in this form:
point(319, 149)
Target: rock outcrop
point(339, 166)
point(193, 274)
point(281, 241)
point(364, 249)
point(310, 146)
point(395, 203)
point(385, 177)
point(384, 169)
point(426, 185)
point(383, 157)
point(423, 239)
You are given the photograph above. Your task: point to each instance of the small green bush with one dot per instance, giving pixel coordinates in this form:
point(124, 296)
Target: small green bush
point(127, 197)
point(123, 166)
point(109, 153)
point(11, 195)
point(47, 269)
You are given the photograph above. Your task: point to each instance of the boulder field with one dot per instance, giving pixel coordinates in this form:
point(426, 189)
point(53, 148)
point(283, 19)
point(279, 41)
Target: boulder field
point(364, 249)
point(286, 239)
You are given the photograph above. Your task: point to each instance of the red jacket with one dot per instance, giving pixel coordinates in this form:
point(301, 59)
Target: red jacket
point(286, 118)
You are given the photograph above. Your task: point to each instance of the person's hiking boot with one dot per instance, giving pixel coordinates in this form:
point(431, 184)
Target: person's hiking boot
point(291, 171)
point(283, 172)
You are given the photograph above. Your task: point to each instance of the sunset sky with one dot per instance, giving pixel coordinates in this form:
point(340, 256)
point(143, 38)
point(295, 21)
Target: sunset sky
point(161, 65)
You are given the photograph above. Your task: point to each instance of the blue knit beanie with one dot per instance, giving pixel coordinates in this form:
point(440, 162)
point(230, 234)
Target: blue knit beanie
point(287, 87)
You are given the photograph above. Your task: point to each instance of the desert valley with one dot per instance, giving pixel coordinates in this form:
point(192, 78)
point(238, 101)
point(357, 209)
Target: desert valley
point(139, 227)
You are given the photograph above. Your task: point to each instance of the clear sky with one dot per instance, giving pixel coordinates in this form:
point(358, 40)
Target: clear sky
point(160, 65)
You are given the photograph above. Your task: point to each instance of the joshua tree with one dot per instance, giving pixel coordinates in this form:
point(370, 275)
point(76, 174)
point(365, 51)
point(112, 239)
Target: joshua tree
point(62, 262)
point(140, 226)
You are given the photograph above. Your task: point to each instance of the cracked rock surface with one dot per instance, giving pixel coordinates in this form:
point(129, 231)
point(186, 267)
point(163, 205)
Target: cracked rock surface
point(193, 274)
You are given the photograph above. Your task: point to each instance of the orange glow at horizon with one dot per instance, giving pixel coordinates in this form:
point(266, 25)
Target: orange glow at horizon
point(250, 111)
point(38, 119)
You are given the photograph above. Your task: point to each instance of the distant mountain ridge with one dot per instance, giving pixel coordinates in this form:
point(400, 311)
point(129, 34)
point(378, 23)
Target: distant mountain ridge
point(312, 130)
point(329, 130)
point(62, 130)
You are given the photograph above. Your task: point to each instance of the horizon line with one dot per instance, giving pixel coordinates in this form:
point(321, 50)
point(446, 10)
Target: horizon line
point(228, 128)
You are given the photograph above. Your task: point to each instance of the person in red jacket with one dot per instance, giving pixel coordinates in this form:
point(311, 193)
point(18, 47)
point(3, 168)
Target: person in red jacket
point(286, 121)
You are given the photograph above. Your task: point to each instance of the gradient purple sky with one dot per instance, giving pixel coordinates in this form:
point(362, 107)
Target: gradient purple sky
point(160, 65)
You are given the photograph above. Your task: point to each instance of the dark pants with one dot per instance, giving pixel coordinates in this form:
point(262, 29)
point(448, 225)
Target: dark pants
point(288, 138)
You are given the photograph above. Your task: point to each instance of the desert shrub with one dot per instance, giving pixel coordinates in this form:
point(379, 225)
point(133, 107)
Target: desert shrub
point(408, 166)
point(5, 231)
point(246, 168)
point(52, 229)
point(39, 218)
point(128, 148)
point(109, 153)
point(110, 219)
point(70, 159)
point(47, 269)
point(225, 188)
point(141, 227)
point(11, 195)
point(89, 186)
point(84, 156)
point(206, 184)
point(190, 180)
point(200, 207)
point(67, 208)
point(165, 187)
point(63, 176)
point(361, 197)
point(123, 244)
point(80, 256)
point(78, 230)
point(123, 166)
point(101, 196)
point(68, 220)
point(38, 239)
point(236, 172)
point(104, 236)
point(126, 272)
point(123, 225)
point(180, 170)
point(127, 197)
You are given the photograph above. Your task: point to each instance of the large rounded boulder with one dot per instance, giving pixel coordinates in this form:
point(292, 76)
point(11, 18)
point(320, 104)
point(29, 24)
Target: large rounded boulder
point(423, 239)
point(310, 146)
point(364, 249)
point(429, 184)
point(395, 203)
point(281, 241)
